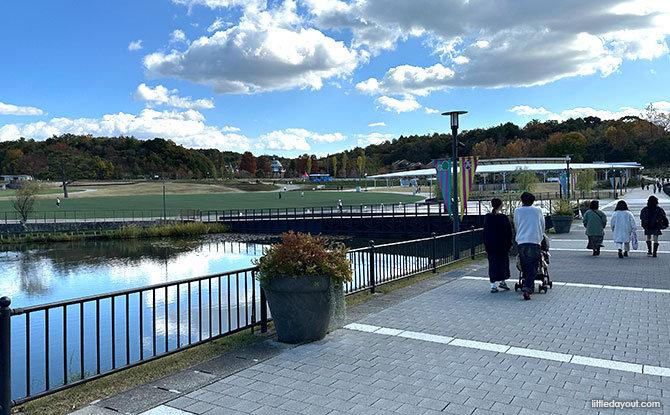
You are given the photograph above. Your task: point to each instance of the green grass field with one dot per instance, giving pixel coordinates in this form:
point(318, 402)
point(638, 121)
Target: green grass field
point(152, 205)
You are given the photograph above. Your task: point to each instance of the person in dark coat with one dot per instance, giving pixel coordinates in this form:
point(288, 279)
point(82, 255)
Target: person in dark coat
point(497, 241)
point(595, 221)
point(653, 219)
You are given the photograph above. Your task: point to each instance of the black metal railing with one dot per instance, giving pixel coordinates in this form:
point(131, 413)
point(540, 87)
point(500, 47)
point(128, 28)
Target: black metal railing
point(135, 215)
point(51, 347)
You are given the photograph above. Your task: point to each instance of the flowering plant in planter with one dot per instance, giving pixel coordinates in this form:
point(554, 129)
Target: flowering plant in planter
point(562, 216)
point(303, 277)
point(303, 254)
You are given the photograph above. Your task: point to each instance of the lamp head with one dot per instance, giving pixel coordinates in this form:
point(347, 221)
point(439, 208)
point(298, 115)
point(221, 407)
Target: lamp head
point(454, 117)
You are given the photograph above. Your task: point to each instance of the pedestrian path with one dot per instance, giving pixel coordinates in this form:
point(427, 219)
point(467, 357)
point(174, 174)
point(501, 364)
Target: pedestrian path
point(601, 334)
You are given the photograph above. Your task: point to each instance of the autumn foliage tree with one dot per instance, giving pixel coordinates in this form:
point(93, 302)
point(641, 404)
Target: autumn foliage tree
point(248, 162)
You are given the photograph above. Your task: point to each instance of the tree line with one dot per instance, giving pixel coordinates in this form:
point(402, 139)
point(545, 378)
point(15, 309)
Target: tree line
point(645, 139)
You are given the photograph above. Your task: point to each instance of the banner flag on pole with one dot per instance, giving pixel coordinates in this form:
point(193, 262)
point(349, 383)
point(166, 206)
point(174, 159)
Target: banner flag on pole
point(563, 180)
point(443, 171)
point(468, 166)
point(573, 183)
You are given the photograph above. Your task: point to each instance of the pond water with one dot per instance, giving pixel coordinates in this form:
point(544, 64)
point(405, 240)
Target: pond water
point(44, 274)
point(38, 275)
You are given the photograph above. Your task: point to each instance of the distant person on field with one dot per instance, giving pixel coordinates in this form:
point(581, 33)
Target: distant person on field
point(653, 219)
point(623, 226)
point(58, 202)
point(339, 205)
point(529, 226)
point(497, 242)
point(594, 222)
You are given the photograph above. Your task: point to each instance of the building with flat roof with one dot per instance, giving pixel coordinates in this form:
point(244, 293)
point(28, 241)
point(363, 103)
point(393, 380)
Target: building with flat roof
point(492, 169)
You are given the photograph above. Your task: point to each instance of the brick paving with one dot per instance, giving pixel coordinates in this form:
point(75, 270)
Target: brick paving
point(358, 372)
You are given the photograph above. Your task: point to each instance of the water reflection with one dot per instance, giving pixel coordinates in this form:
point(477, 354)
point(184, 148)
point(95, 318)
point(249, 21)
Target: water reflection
point(41, 274)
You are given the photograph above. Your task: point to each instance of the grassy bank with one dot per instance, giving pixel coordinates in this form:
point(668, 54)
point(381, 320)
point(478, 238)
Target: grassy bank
point(128, 232)
point(152, 205)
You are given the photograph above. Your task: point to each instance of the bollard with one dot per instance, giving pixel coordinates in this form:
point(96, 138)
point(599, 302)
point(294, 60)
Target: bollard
point(5, 357)
point(372, 267)
point(472, 242)
point(433, 252)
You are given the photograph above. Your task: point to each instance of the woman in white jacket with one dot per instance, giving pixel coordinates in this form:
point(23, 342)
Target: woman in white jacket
point(623, 226)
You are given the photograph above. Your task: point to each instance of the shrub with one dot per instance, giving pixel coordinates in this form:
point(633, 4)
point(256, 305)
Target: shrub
point(563, 207)
point(303, 254)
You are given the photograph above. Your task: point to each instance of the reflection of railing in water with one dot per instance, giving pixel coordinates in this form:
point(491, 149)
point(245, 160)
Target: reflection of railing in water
point(62, 344)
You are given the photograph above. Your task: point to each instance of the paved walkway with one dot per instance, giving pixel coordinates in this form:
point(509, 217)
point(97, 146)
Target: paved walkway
point(449, 346)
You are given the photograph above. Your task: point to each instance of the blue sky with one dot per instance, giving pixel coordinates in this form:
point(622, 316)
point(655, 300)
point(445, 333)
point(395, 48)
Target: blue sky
point(320, 76)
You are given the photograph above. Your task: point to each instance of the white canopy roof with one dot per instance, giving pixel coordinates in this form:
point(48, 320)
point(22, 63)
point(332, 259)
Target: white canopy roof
point(509, 168)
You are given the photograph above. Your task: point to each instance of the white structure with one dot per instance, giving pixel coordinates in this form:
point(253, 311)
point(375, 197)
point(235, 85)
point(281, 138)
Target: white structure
point(15, 177)
point(277, 169)
point(486, 169)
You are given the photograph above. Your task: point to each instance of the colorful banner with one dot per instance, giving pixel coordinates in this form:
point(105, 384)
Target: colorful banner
point(443, 170)
point(563, 181)
point(468, 166)
point(618, 182)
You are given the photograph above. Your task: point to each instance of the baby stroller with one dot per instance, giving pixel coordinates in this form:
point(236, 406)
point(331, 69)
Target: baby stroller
point(542, 269)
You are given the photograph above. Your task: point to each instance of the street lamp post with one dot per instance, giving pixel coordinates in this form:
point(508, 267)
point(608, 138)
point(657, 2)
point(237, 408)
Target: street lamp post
point(567, 162)
point(454, 162)
point(164, 210)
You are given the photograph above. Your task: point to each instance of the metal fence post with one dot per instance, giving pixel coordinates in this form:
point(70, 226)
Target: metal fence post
point(372, 267)
point(264, 312)
point(433, 252)
point(5, 357)
point(472, 242)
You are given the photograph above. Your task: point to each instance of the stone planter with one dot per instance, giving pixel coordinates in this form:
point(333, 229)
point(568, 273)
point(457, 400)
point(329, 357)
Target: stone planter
point(561, 223)
point(301, 307)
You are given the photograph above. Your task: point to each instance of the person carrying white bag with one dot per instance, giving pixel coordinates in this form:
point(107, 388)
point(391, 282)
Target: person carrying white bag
point(623, 226)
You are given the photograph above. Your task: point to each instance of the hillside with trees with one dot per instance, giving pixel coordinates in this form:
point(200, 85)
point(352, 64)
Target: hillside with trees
point(584, 139)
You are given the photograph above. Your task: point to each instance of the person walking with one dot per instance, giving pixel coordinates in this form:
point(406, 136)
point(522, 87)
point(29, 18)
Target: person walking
point(623, 227)
point(497, 242)
point(653, 219)
point(595, 222)
point(529, 226)
point(58, 202)
point(339, 205)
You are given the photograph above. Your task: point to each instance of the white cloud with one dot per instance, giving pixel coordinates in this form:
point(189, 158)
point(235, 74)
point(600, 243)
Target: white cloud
point(661, 105)
point(460, 60)
point(294, 139)
point(9, 109)
point(229, 129)
point(407, 104)
point(503, 44)
point(161, 95)
point(377, 124)
point(214, 4)
point(135, 45)
point(178, 36)
point(527, 110)
point(374, 138)
point(187, 128)
point(431, 110)
point(406, 79)
point(266, 51)
point(580, 112)
point(218, 24)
